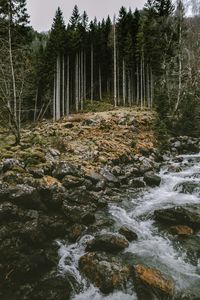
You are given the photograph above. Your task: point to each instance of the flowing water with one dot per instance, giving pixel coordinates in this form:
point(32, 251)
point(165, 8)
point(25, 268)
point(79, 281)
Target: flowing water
point(154, 247)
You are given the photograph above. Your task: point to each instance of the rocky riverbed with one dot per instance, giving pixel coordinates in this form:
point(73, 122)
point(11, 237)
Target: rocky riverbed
point(68, 210)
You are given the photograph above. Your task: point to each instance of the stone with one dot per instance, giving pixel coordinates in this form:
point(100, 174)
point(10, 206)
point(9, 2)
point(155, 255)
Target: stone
point(79, 214)
point(128, 233)
point(26, 196)
point(107, 242)
point(76, 231)
point(65, 168)
point(136, 183)
point(9, 163)
point(106, 273)
point(149, 280)
point(70, 181)
point(151, 179)
point(69, 125)
point(188, 188)
point(182, 230)
point(178, 215)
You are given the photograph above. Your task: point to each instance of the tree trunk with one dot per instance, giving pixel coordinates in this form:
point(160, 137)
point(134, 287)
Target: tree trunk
point(92, 73)
point(115, 64)
point(58, 89)
point(100, 83)
point(67, 104)
point(63, 86)
point(124, 82)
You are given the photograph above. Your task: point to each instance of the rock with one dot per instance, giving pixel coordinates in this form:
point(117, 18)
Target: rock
point(106, 273)
point(151, 179)
point(52, 286)
point(26, 196)
point(95, 177)
point(9, 163)
point(79, 214)
point(177, 216)
point(76, 231)
point(110, 177)
point(65, 168)
point(37, 172)
point(151, 281)
point(70, 181)
point(188, 188)
point(128, 233)
point(182, 230)
point(136, 183)
point(107, 242)
point(50, 182)
point(69, 125)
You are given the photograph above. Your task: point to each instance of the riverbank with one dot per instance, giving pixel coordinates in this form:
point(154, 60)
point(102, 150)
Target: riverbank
point(58, 185)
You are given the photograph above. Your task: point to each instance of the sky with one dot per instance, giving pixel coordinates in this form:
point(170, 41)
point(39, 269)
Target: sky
point(42, 11)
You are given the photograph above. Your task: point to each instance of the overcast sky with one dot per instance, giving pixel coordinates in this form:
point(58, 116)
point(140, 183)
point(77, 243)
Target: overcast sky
point(42, 11)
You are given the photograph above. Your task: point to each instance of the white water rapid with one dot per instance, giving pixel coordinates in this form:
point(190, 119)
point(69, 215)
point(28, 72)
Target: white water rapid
point(154, 247)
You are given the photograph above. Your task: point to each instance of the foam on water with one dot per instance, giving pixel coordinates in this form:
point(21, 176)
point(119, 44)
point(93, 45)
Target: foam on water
point(153, 248)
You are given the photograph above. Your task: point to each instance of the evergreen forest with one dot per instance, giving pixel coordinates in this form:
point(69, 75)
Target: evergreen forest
point(147, 58)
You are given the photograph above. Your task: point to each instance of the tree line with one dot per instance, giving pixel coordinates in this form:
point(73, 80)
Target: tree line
point(148, 58)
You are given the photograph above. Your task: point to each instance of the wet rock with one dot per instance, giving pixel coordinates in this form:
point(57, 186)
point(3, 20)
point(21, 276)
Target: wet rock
point(65, 168)
point(182, 230)
point(128, 233)
point(188, 187)
point(107, 242)
point(104, 272)
point(177, 216)
point(152, 284)
point(151, 179)
point(76, 231)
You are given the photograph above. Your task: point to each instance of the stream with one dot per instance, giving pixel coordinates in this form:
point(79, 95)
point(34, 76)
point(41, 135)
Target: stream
point(155, 247)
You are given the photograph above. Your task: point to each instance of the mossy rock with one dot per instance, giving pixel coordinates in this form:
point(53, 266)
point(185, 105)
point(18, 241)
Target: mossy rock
point(34, 158)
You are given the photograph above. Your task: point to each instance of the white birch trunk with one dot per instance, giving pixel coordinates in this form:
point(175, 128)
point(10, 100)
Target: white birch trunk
point(124, 82)
point(58, 89)
point(63, 86)
point(67, 104)
point(115, 63)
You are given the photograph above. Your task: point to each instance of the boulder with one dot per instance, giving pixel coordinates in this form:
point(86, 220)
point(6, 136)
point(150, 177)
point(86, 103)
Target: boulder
point(70, 181)
point(151, 179)
point(128, 233)
point(76, 231)
point(107, 242)
point(79, 214)
point(137, 183)
point(188, 188)
point(10, 163)
point(26, 196)
point(104, 272)
point(177, 216)
point(64, 168)
point(182, 230)
point(152, 284)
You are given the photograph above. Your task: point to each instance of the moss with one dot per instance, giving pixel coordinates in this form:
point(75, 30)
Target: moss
point(97, 106)
point(33, 158)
